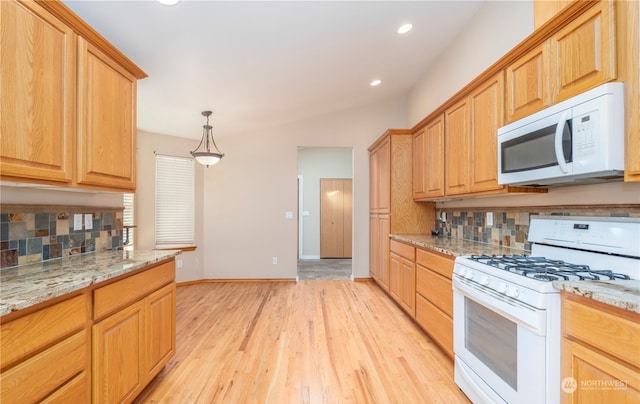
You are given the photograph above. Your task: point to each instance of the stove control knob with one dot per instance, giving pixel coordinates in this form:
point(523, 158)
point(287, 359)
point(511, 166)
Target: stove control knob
point(502, 287)
point(484, 280)
point(469, 274)
point(512, 291)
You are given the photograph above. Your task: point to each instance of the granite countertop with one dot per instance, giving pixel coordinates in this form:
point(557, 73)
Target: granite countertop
point(454, 246)
point(27, 285)
point(623, 294)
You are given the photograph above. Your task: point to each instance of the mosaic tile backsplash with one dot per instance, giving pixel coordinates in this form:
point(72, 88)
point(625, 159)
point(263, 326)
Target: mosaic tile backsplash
point(28, 237)
point(511, 227)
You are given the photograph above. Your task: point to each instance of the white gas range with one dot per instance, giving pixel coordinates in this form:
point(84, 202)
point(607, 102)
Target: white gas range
point(507, 311)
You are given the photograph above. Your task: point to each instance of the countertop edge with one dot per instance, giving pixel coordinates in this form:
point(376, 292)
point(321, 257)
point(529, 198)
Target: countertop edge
point(604, 292)
point(116, 267)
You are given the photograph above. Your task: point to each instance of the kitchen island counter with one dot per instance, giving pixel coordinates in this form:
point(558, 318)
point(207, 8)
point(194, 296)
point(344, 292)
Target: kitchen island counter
point(454, 246)
point(27, 285)
point(621, 293)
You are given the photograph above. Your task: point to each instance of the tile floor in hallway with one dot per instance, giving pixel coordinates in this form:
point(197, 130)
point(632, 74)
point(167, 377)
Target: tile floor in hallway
point(332, 268)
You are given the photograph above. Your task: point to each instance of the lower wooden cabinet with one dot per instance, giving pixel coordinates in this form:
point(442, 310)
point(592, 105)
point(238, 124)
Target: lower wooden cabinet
point(44, 354)
point(434, 297)
point(131, 345)
point(600, 352)
point(103, 345)
point(402, 275)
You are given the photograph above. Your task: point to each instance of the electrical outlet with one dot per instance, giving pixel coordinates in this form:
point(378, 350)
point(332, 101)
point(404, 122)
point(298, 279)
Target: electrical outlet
point(489, 219)
point(443, 216)
point(275, 260)
point(179, 263)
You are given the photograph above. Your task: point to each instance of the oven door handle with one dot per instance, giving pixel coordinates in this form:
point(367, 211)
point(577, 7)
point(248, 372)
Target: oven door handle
point(562, 124)
point(520, 313)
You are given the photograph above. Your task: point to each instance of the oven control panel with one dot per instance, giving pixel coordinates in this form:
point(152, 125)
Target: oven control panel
point(612, 235)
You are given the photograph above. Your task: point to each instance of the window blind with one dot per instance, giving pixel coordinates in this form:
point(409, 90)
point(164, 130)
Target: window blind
point(128, 216)
point(174, 201)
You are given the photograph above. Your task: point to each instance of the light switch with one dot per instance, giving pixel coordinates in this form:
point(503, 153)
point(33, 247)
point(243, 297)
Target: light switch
point(288, 215)
point(305, 213)
point(88, 221)
point(77, 221)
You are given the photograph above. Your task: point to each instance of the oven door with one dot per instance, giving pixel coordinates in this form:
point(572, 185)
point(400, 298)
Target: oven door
point(499, 346)
point(536, 151)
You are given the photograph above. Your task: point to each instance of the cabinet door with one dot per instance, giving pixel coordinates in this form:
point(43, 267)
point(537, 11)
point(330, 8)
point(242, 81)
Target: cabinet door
point(107, 132)
point(528, 84)
point(118, 356)
point(374, 248)
point(160, 316)
point(383, 240)
point(419, 164)
point(596, 378)
point(395, 275)
point(457, 163)
point(408, 286)
point(486, 117)
point(37, 83)
point(629, 54)
point(583, 54)
point(373, 182)
point(383, 155)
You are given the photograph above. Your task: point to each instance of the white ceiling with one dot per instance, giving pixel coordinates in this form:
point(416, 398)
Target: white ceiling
point(265, 63)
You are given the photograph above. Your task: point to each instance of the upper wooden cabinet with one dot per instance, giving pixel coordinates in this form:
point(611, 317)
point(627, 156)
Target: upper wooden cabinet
point(37, 83)
point(107, 132)
point(487, 115)
point(428, 160)
point(457, 129)
point(527, 89)
point(56, 72)
point(583, 54)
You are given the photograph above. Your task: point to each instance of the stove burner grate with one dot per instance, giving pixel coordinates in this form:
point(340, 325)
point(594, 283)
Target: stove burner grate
point(545, 270)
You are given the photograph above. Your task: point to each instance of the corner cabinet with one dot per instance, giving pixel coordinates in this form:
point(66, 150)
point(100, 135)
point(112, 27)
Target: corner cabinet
point(600, 352)
point(391, 205)
point(68, 101)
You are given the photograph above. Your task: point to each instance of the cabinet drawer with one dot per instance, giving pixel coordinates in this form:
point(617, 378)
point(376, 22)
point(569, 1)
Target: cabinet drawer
point(112, 297)
point(617, 335)
point(26, 335)
point(436, 262)
point(74, 391)
point(435, 323)
point(404, 250)
point(436, 288)
point(37, 377)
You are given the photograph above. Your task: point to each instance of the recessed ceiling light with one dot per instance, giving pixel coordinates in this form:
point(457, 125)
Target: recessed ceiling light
point(168, 2)
point(376, 82)
point(404, 28)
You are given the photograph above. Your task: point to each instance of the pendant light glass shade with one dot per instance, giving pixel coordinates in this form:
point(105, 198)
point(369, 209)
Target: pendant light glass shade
point(206, 157)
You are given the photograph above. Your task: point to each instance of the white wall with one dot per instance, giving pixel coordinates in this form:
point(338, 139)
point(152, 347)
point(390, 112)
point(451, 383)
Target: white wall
point(313, 165)
point(496, 29)
point(249, 191)
point(148, 145)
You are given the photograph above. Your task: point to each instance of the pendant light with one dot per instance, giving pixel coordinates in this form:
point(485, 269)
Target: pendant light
point(207, 158)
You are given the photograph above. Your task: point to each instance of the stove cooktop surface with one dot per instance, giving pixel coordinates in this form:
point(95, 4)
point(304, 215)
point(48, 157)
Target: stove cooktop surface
point(546, 270)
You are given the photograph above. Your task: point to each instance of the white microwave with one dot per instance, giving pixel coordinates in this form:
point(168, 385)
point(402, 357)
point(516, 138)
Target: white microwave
point(579, 140)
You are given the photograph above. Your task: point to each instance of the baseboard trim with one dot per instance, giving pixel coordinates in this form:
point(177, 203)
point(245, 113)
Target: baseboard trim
point(265, 280)
point(363, 279)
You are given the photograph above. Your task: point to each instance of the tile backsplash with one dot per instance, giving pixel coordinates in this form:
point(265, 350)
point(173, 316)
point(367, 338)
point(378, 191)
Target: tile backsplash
point(510, 226)
point(33, 234)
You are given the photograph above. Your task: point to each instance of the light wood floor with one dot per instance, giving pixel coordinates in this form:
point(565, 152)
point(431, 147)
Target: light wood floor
point(311, 342)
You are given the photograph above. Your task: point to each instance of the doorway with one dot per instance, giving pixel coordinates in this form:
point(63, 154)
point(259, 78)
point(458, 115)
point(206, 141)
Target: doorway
point(315, 164)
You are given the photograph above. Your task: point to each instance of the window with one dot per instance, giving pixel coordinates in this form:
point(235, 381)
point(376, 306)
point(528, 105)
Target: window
point(128, 220)
point(174, 202)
